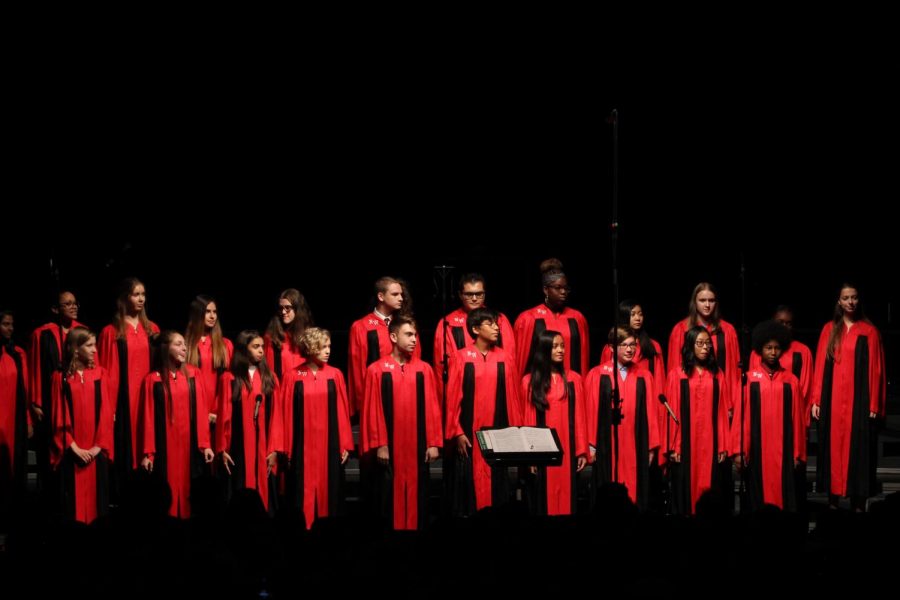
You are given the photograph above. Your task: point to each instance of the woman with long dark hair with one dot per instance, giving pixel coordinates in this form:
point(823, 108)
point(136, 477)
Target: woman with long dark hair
point(282, 339)
point(15, 422)
point(208, 349)
point(553, 397)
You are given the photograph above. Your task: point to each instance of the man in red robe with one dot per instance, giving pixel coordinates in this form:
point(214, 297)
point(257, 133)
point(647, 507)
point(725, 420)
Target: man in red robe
point(482, 392)
point(401, 424)
point(472, 296)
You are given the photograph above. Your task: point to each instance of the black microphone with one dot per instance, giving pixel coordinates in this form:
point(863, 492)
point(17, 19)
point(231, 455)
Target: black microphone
point(665, 402)
point(256, 409)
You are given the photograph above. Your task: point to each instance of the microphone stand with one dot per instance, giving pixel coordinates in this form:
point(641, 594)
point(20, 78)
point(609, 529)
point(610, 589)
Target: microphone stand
point(743, 363)
point(616, 414)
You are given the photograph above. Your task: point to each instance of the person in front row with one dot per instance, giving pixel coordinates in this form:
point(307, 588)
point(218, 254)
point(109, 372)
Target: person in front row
point(401, 424)
point(553, 397)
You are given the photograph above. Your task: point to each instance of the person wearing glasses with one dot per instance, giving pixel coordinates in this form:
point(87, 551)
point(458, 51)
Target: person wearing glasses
point(703, 311)
point(697, 392)
point(125, 354)
point(553, 396)
point(45, 359)
point(553, 314)
point(848, 399)
point(472, 296)
point(282, 338)
point(623, 456)
point(15, 420)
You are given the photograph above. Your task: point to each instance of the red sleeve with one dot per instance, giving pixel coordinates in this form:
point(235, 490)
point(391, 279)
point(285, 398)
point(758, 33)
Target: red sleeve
point(659, 370)
point(103, 437)
point(585, 343)
point(527, 417)
point(800, 418)
point(806, 377)
point(34, 368)
point(513, 391)
point(737, 423)
point(345, 433)
point(524, 331)
point(60, 427)
point(724, 427)
point(676, 341)
point(108, 350)
point(652, 411)
point(581, 444)
point(673, 393)
point(877, 382)
point(373, 432)
point(452, 427)
point(592, 402)
point(147, 410)
point(434, 431)
point(223, 414)
point(508, 335)
point(203, 441)
point(356, 367)
point(821, 355)
point(281, 430)
point(276, 421)
point(733, 371)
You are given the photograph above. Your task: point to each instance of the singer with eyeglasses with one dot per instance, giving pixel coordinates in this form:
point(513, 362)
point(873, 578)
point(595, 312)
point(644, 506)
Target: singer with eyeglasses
point(315, 433)
point(638, 431)
point(703, 311)
point(282, 338)
point(248, 425)
point(472, 296)
point(45, 359)
point(697, 391)
point(553, 314)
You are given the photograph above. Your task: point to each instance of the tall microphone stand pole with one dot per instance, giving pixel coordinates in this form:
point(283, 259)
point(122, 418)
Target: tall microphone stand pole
point(743, 363)
point(616, 414)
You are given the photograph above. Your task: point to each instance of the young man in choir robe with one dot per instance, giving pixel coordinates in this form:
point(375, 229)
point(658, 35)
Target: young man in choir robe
point(45, 359)
point(482, 392)
point(624, 455)
point(456, 332)
point(369, 337)
point(796, 357)
point(768, 431)
point(401, 425)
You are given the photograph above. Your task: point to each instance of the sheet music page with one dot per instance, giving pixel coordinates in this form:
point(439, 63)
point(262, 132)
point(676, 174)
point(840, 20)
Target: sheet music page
point(539, 440)
point(508, 440)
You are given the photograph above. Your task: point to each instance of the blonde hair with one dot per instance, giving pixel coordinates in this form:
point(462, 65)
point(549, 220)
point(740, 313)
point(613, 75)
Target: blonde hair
point(313, 340)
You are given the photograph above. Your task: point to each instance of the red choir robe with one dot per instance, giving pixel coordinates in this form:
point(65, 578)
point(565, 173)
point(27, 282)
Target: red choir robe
point(847, 388)
point(127, 362)
point(796, 359)
point(401, 411)
point(482, 392)
point(315, 418)
point(281, 360)
point(457, 338)
point(774, 436)
point(657, 368)
point(175, 432)
point(369, 341)
point(556, 492)
point(728, 355)
point(638, 430)
point(699, 402)
point(44, 359)
point(14, 420)
point(87, 419)
point(570, 323)
point(243, 429)
point(209, 374)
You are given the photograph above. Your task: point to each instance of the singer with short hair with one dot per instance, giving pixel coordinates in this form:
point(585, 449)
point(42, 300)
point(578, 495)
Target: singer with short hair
point(248, 423)
point(401, 426)
point(638, 429)
point(315, 434)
